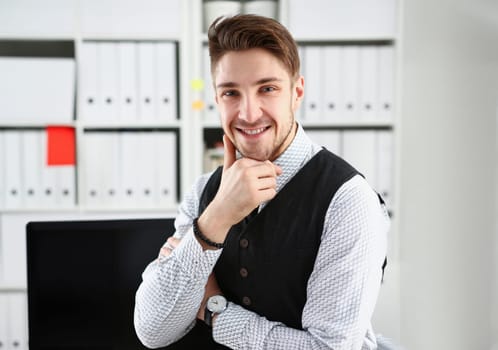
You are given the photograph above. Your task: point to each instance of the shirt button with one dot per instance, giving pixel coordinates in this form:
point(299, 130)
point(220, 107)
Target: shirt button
point(246, 301)
point(244, 243)
point(244, 272)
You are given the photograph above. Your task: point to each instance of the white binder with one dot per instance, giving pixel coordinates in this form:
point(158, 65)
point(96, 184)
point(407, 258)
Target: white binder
point(359, 149)
point(156, 18)
point(31, 163)
point(13, 178)
point(108, 70)
point(109, 168)
point(313, 98)
point(210, 110)
point(350, 82)
point(385, 153)
point(48, 175)
point(386, 83)
point(165, 160)
point(341, 18)
point(95, 168)
point(4, 312)
point(2, 174)
point(330, 139)
point(18, 316)
point(332, 75)
point(111, 192)
point(146, 162)
point(147, 87)
point(66, 186)
point(368, 102)
point(166, 81)
point(127, 92)
point(129, 171)
point(90, 104)
point(37, 89)
point(13, 241)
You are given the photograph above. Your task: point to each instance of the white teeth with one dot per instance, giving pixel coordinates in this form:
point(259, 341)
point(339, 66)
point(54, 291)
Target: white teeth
point(254, 131)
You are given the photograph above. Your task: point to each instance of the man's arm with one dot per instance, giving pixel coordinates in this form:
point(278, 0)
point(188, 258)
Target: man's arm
point(342, 289)
point(172, 289)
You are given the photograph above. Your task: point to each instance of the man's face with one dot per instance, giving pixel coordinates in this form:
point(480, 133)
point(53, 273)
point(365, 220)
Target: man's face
point(257, 100)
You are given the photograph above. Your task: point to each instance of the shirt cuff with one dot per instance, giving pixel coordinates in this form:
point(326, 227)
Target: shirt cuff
point(237, 328)
point(195, 261)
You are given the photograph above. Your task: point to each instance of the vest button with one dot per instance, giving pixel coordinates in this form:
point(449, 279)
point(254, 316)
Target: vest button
point(246, 301)
point(244, 272)
point(244, 243)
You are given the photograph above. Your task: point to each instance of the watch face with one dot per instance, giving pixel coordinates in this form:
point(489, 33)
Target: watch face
point(216, 303)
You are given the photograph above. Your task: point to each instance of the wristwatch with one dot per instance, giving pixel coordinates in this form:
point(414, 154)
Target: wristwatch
point(215, 305)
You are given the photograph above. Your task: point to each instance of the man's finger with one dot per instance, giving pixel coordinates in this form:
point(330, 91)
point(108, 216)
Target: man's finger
point(229, 153)
point(276, 168)
point(172, 241)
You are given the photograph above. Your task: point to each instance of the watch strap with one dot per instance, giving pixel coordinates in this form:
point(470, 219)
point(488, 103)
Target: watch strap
point(208, 317)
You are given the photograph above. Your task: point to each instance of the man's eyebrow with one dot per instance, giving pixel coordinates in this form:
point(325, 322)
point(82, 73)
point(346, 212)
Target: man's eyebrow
point(230, 84)
point(268, 80)
point(227, 84)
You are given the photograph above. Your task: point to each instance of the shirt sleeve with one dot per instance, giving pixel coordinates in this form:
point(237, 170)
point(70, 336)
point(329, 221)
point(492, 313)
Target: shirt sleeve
point(342, 289)
point(172, 288)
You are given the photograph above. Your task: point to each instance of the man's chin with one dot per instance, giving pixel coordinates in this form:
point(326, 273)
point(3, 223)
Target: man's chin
point(254, 155)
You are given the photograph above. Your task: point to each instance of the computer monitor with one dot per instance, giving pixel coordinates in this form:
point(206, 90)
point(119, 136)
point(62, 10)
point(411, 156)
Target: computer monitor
point(82, 279)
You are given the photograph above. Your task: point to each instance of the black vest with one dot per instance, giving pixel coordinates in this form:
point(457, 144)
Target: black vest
point(269, 258)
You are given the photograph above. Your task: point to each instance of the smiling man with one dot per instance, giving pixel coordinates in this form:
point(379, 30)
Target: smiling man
point(282, 247)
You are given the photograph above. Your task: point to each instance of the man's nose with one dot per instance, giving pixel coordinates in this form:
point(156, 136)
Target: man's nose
point(250, 109)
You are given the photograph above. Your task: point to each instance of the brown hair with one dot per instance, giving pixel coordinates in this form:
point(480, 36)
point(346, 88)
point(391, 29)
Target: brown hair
point(244, 32)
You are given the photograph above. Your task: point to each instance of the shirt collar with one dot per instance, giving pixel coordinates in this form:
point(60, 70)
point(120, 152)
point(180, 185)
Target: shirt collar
point(294, 157)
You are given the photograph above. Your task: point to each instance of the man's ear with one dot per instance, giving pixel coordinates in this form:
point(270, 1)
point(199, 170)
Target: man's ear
point(297, 92)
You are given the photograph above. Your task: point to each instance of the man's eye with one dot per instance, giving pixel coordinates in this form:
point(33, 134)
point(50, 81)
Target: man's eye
point(229, 93)
point(268, 89)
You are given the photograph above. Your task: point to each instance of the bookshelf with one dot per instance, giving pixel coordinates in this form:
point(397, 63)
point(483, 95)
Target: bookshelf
point(72, 30)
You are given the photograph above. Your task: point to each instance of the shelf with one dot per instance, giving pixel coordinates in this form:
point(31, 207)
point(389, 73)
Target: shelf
point(129, 125)
point(82, 209)
point(109, 210)
point(13, 289)
point(26, 124)
point(36, 36)
point(349, 124)
point(128, 37)
point(373, 40)
point(40, 210)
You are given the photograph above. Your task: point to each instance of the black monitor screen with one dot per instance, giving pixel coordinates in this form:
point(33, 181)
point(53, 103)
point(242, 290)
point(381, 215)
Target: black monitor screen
point(82, 279)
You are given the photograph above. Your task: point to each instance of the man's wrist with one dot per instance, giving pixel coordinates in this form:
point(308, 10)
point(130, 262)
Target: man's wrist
point(211, 228)
point(215, 305)
point(198, 233)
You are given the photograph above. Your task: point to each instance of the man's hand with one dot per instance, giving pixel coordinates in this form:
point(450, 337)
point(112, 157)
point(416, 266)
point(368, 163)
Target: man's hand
point(167, 248)
point(245, 184)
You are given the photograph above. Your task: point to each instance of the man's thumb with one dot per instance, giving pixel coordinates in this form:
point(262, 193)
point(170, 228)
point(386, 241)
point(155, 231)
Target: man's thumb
point(229, 153)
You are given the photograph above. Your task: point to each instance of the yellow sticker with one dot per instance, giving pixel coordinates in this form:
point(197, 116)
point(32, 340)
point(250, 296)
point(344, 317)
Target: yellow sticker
point(198, 105)
point(197, 84)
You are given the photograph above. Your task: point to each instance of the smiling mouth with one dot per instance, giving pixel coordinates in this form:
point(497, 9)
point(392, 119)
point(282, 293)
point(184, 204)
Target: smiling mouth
point(252, 132)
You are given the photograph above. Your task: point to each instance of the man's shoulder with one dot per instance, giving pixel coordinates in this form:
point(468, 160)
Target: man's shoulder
point(201, 182)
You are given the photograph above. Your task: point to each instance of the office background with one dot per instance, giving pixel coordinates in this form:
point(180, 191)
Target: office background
point(428, 72)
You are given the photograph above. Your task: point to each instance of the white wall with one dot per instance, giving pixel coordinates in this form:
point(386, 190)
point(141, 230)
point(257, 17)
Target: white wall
point(448, 174)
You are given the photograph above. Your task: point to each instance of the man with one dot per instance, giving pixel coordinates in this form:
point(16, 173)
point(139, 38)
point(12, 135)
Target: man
point(282, 247)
